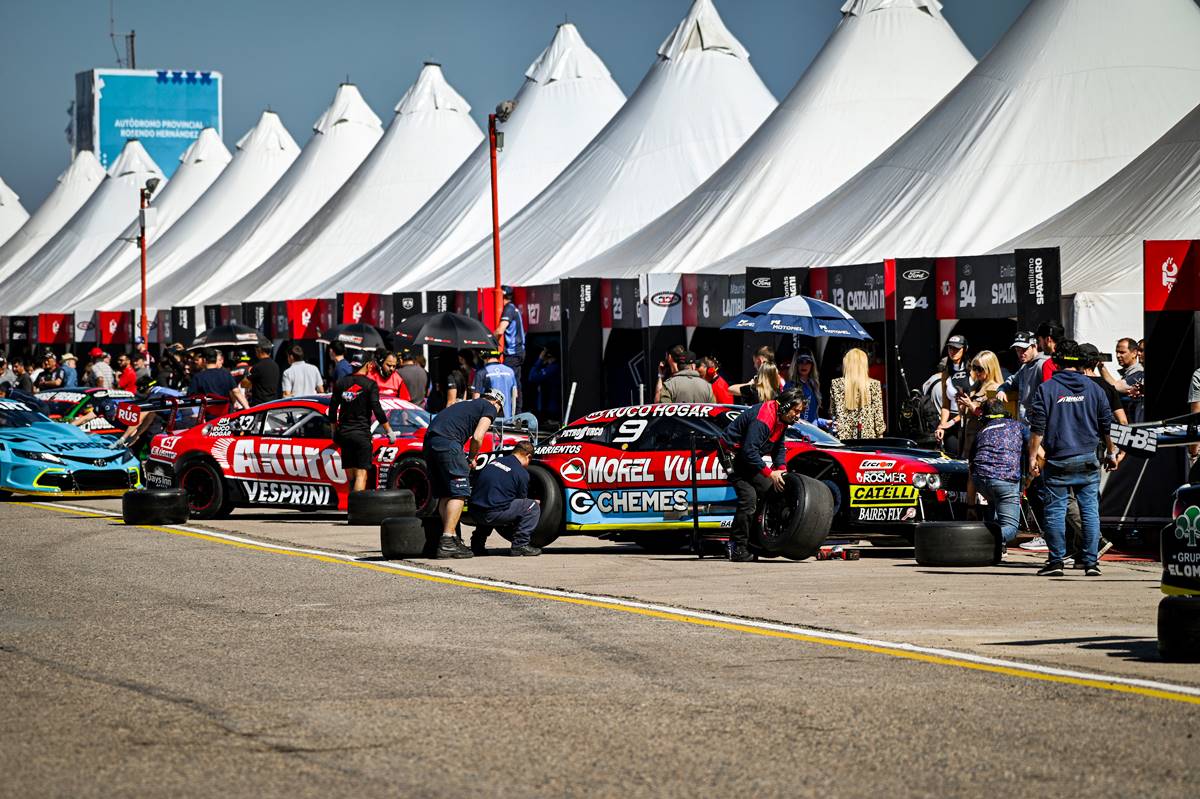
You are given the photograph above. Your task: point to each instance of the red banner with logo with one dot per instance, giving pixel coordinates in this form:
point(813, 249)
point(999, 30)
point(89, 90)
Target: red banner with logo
point(114, 327)
point(691, 300)
point(362, 307)
point(55, 328)
point(818, 284)
point(946, 273)
point(1171, 275)
point(303, 319)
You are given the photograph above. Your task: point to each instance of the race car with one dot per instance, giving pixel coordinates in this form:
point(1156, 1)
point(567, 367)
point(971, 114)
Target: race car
point(42, 457)
point(281, 454)
point(626, 473)
point(93, 404)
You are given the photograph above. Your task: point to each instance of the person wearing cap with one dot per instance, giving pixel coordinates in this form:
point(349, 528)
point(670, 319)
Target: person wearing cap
point(512, 327)
point(804, 376)
point(101, 373)
point(500, 499)
point(141, 367)
point(264, 376)
point(70, 371)
point(500, 377)
point(955, 379)
point(416, 379)
point(463, 424)
point(1019, 387)
point(686, 385)
point(215, 380)
point(354, 402)
point(51, 376)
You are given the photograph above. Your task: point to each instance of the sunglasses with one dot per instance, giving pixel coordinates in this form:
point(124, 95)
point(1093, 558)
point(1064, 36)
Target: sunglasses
point(976, 367)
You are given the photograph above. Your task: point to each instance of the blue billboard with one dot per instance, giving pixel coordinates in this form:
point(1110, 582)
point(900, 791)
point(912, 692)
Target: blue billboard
point(164, 109)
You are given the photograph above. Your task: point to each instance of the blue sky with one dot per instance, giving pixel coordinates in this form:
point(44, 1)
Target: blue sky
point(290, 56)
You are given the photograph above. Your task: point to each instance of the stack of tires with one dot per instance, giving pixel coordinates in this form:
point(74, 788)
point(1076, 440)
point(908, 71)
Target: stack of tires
point(943, 544)
point(394, 512)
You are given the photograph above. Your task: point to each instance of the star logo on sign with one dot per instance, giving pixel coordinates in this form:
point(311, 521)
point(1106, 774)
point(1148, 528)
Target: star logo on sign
point(1188, 525)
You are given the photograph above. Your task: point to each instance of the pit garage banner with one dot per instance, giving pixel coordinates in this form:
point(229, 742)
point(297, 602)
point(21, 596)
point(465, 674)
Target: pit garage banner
point(258, 316)
point(768, 284)
point(441, 301)
point(1039, 287)
point(664, 300)
point(977, 287)
point(404, 305)
point(858, 289)
point(298, 319)
point(114, 328)
point(362, 307)
point(16, 330)
point(55, 329)
point(621, 303)
point(582, 342)
point(183, 325)
point(541, 307)
point(1171, 324)
point(710, 301)
point(221, 315)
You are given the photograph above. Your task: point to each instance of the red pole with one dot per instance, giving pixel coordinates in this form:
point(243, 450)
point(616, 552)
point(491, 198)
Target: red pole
point(498, 299)
point(145, 195)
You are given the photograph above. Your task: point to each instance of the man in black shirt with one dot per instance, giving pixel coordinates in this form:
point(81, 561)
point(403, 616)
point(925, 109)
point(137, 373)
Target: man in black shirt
point(264, 377)
point(355, 400)
point(215, 379)
point(500, 499)
point(450, 468)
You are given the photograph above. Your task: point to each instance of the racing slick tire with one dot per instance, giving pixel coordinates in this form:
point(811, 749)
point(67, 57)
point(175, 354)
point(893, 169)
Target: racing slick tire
point(412, 474)
point(208, 495)
point(544, 488)
point(957, 544)
point(403, 537)
point(155, 506)
point(796, 520)
point(1179, 629)
point(369, 508)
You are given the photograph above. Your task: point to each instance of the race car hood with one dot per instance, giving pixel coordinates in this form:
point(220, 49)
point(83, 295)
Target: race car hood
point(56, 439)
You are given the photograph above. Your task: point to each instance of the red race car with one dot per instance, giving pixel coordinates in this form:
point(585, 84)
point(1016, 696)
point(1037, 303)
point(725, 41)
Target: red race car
point(626, 473)
point(281, 454)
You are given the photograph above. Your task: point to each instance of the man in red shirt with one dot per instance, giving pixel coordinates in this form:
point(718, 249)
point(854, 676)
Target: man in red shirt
point(126, 374)
point(384, 373)
point(709, 370)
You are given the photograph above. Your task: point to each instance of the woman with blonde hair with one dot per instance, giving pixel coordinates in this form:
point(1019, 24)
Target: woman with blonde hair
point(856, 400)
point(765, 385)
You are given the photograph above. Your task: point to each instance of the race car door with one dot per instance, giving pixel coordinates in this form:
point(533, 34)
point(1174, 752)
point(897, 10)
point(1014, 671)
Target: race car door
point(298, 462)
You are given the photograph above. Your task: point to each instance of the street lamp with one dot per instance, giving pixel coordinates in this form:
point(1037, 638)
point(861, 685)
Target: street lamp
point(496, 142)
point(145, 193)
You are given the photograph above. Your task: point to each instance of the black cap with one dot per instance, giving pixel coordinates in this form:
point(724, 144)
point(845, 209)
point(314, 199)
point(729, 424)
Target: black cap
point(1088, 352)
point(957, 340)
point(687, 356)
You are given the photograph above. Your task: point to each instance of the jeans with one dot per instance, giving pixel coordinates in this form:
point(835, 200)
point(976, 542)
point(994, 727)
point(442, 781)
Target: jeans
point(1004, 503)
point(1081, 473)
point(521, 514)
point(749, 484)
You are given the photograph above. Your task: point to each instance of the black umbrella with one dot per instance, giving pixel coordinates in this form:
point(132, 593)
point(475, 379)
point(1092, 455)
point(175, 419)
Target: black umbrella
point(446, 330)
point(231, 335)
point(357, 336)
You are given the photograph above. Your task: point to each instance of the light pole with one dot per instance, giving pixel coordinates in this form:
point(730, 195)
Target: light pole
point(145, 193)
point(496, 142)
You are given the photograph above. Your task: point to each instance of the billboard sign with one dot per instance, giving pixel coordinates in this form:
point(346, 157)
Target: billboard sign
point(164, 109)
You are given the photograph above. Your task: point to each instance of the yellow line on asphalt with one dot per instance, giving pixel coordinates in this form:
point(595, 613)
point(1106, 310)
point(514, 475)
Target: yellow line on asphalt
point(940, 660)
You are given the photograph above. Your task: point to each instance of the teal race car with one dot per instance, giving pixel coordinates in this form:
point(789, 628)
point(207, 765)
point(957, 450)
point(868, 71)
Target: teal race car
point(41, 457)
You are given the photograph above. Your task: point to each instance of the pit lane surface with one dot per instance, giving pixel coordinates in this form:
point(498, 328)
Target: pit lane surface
point(139, 660)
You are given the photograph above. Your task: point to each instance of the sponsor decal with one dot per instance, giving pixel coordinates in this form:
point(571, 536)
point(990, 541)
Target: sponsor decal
point(678, 468)
point(1170, 273)
point(287, 493)
point(916, 274)
point(654, 411)
point(881, 477)
point(129, 414)
point(630, 501)
point(875, 463)
point(62, 396)
point(582, 432)
point(616, 470)
point(1130, 438)
point(559, 449)
point(158, 480)
point(885, 514)
point(387, 455)
point(249, 457)
point(1187, 526)
point(573, 471)
point(869, 496)
point(99, 423)
point(1079, 398)
point(112, 327)
point(761, 282)
point(666, 299)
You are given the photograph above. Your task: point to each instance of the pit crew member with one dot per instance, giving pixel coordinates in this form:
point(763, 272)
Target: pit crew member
point(757, 432)
point(355, 400)
point(450, 468)
point(500, 498)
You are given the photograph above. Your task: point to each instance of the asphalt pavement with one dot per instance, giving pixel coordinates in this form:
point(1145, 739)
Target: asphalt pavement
point(143, 662)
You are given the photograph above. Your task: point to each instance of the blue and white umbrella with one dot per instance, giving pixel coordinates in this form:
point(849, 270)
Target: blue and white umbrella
point(799, 315)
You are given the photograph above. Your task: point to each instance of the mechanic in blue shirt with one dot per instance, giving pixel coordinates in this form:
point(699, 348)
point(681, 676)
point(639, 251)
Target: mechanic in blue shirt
point(500, 499)
point(450, 468)
point(497, 376)
point(757, 433)
point(216, 380)
point(996, 458)
point(1069, 415)
point(512, 327)
point(341, 364)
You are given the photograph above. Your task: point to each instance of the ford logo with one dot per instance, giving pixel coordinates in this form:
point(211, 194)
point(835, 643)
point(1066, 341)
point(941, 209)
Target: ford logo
point(916, 274)
point(665, 299)
point(761, 283)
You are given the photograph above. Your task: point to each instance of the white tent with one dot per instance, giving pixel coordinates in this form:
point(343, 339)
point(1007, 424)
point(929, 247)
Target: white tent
point(885, 65)
point(1074, 91)
point(1157, 196)
point(567, 97)
point(70, 192)
point(12, 214)
point(263, 155)
point(431, 134)
point(342, 138)
point(699, 102)
point(63, 258)
point(200, 165)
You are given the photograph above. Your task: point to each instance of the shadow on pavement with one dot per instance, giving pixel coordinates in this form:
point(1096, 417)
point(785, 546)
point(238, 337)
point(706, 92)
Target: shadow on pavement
point(1128, 647)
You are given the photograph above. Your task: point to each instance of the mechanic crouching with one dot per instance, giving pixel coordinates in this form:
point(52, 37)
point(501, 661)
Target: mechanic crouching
point(500, 500)
point(756, 434)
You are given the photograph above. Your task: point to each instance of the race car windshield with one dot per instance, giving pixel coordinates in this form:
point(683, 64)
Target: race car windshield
point(407, 420)
point(811, 434)
point(19, 416)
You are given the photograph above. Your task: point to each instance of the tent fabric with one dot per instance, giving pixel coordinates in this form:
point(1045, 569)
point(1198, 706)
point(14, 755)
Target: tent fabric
point(1100, 236)
point(342, 138)
point(1073, 92)
point(698, 103)
point(12, 214)
point(1101, 318)
point(431, 134)
point(884, 67)
point(62, 260)
point(567, 97)
point(263, 155)
point(71, 191)
point(199, 166)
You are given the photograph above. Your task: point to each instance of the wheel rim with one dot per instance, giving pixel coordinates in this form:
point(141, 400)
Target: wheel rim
point(201, 488)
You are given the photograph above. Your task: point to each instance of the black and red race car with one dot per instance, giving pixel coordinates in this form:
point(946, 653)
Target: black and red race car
point(626, 473)
point(281, 454)
point(89, 404)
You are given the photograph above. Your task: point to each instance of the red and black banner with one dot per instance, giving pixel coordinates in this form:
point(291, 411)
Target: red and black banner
point(858, 288)
point(365, 308)
point(976, 287)
point(621, 303)
point(55, 329)
point(1171, 310)
point(114, 328)
point(541, 307)
point(215, 315)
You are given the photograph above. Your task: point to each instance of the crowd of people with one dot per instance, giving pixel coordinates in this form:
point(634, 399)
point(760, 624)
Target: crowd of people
point(127, 371)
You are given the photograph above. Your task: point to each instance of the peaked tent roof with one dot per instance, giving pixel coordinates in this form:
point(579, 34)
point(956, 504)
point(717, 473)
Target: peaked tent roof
point(885, 65)
point(74, 186)
point(101, 219)
point(431, 134)
point(1074, 91)
point(199, 166)
point(342, 138)
point(12, 214)
point(1100, 236)
point(567, 97)
point(263, 155)
point(698, 103)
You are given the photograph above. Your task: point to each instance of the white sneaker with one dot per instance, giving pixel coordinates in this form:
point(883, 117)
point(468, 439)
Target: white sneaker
point(1036, 545)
